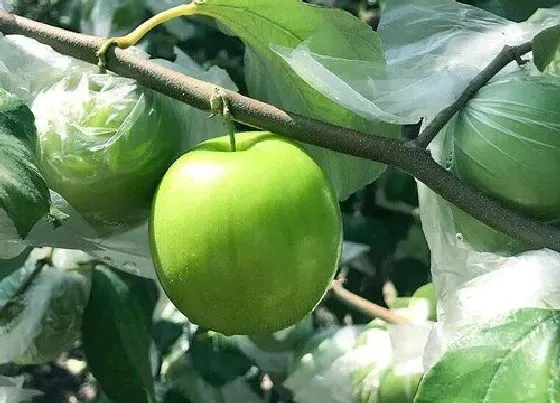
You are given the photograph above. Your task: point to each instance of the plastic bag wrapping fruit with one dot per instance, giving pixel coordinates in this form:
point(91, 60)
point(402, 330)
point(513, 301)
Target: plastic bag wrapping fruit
point(103, 144)
point(479, 288)
point(506, 143)
point(45, 320)
point(373, 363)
point(28, 66)
point(445, 44)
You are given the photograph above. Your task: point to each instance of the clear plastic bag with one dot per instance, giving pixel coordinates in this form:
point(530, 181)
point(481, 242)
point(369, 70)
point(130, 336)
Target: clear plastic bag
point(517, 120)
point(103, 143)
point(433, 49)
point(351, 363)
point(46, 319)
point(99, 112)
point(428, 63)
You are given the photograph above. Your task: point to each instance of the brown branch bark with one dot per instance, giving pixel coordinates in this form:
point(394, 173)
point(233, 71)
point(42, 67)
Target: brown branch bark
point(198, 94)
point(364, 306)
point(507, 55)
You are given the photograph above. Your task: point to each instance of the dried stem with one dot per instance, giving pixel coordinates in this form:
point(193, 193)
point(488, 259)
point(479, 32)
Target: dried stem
point(364, 306)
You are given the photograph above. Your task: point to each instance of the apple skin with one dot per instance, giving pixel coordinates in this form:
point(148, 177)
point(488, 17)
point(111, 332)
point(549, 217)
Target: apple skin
point(245, 242)
point(398, 388)
point(507, 144)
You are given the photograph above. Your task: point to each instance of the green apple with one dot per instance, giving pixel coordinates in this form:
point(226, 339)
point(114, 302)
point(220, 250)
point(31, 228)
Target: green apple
point(427, 291)
point(245, 242)
point(104, 143)
point(395, 387)
point(507, 144)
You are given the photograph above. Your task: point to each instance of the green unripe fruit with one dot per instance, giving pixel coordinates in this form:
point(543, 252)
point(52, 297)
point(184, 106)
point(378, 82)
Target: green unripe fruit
point(427, 291)
point(398, 388)
point(245, 242)
point(507, 144)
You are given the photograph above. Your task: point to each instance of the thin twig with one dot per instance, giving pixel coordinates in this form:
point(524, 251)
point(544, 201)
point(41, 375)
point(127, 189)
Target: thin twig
point(39, 265)
point(507, 55)
point(364, 306)
point(258, 114)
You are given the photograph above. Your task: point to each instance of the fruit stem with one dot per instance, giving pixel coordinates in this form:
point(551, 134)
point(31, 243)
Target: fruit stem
point(230, 124)
point(220, 106)
point(232, 141)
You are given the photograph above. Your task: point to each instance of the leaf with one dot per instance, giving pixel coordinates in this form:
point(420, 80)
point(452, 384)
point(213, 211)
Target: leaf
point(262, 25)
point(515, 360)
point(116, 334)
point(546, 47)
point(23, 193)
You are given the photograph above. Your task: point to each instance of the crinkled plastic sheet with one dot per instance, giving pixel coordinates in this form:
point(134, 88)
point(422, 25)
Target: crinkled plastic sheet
point(48, 318)
point(475, 288)
point(433, 49)
point(27, 69)
point(350, 363)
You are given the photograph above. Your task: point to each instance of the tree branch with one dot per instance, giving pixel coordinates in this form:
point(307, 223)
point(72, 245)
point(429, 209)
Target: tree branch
point(364, 306)
point(507, 55)
point(198, 94)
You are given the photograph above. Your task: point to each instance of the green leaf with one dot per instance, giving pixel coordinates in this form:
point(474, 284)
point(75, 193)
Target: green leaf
point(546, 47)
point(327, 31)
point(515, 360)
point(116, 333)
point(24, 196)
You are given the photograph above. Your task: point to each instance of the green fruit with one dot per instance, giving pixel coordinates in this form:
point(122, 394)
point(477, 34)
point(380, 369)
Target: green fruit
point(104, 144)
point(398, 388)
point(427, 291)
point(245, 242)
point(507, 144)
